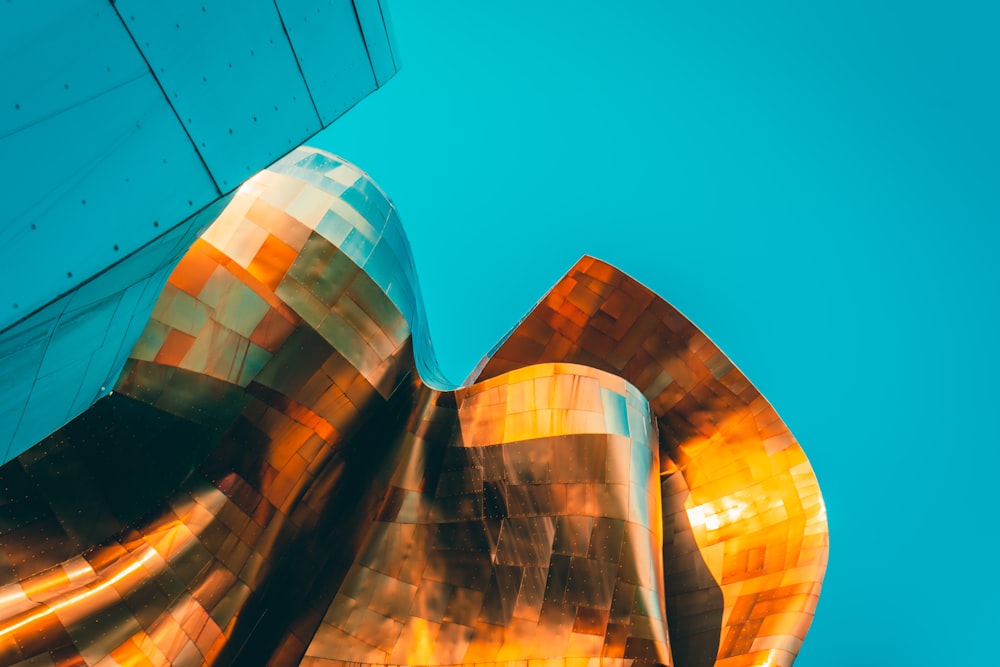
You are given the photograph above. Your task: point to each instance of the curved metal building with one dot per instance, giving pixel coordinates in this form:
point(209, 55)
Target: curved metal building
point(125, 126)
point(280, 477)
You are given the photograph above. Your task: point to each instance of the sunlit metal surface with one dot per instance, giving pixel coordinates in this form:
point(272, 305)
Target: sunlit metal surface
point(745, 533)
point(101, 104)
point(280, 476)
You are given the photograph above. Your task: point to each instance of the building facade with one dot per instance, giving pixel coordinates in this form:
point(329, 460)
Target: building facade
point(280, 476)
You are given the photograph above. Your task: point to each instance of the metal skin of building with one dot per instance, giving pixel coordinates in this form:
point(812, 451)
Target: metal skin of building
point(279, 475)
point(125, 127)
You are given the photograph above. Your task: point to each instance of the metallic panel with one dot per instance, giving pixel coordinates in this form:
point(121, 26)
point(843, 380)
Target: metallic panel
point(272, 481)
point(378, 38)
point(119, 141)
point(243, 106)
point(62, 358)
point(337, 70)
point(469, 600)
point(745, 533)
point(128, 93)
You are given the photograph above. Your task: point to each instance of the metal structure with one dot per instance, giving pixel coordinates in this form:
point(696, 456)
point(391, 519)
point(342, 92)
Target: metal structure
point(280, 476)
point(101, 104)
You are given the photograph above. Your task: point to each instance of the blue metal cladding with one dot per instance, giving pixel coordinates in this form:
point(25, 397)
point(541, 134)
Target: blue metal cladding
point(242, 108)
point(87, 142)
point(338, 71)
point(122, 125)
point(57, 362)
point(378, 38)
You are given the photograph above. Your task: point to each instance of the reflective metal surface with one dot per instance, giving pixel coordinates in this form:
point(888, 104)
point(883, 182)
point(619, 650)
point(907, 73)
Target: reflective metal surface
point(100, 105)
point(280, 477)
point(745, 533)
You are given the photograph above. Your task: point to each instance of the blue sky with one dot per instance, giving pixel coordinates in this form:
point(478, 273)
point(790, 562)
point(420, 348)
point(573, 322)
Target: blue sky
point(814, 184)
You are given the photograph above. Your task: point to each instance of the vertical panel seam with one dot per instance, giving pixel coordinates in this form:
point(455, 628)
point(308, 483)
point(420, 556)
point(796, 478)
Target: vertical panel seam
point(295, 57)
point(194, 145)
point(385, 27)
point(364, 40)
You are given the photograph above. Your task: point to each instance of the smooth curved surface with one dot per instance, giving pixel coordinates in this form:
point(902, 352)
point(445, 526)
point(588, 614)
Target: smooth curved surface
point(280, 477)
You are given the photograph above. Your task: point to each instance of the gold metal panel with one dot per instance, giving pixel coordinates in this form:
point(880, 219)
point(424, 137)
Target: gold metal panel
point(742, 510)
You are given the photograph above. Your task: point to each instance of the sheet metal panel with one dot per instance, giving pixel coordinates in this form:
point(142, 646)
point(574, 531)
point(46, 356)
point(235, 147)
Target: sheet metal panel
point(390, 32)
point(87, 140)
point(94, 121)
point(376, 38)
point(60, 360)
point(40, 80)
point(228, 69)
point(327, 41)
point(21, 352)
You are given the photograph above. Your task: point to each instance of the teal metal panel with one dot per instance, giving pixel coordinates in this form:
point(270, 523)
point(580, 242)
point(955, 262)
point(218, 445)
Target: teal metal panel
point(330, 50)
point(228, 69)
point(87, 141)
point(390, 33)
point(376, 38)
point(60, 360)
